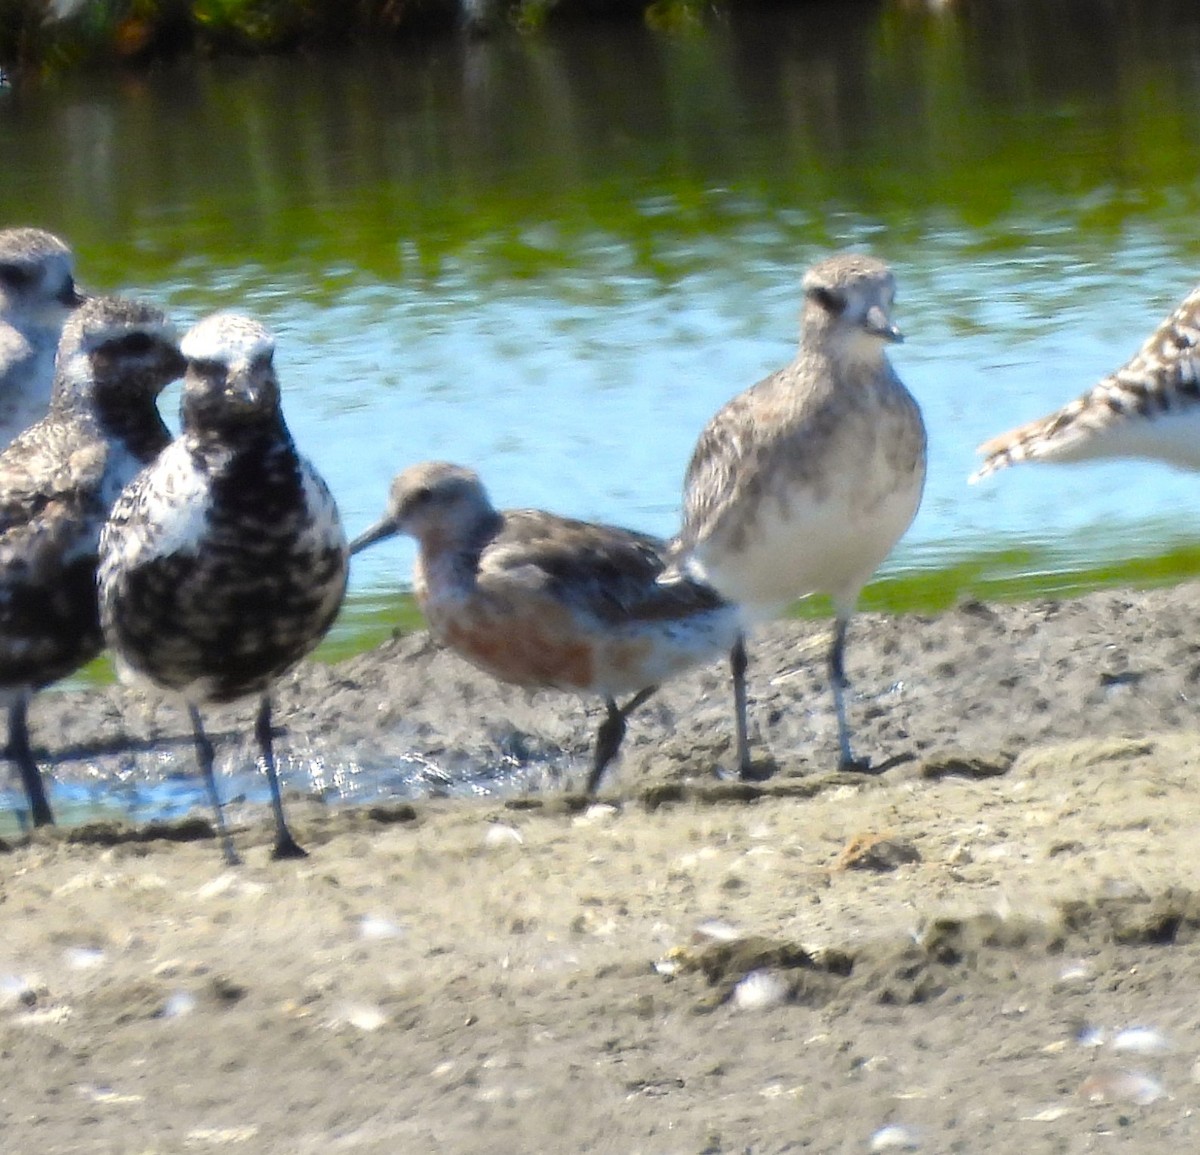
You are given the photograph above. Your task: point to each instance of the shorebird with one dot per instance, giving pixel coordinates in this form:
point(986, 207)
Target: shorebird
point(1150, 407)
point(37, 294)
point(547, 602)
point(58, 480)
point(224, 562)
point(804, 483)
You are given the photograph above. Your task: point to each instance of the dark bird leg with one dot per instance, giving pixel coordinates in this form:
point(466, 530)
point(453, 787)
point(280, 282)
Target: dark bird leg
point(205, 756)
point(611, 732)
point(285, 845)
point(738, 661)
point(22, 755)
point(837, 676)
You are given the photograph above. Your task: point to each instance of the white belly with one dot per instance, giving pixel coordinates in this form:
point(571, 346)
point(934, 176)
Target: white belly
point(1170, 437)
point(807, 543)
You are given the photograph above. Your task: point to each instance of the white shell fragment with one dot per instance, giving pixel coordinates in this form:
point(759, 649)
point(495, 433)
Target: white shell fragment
point(759, 991)
point(1122, 1087)
point(598, 814)
point(1047, 1115)
point(82, 958)
point(501, 834)
point(717, 930)
point(1142, 1041)
point(374, 927)
point(178, 1004)
point(16, 991)
point(219, 1136)
point(361, 1015)
point(895, 1137)
point(108, 1096)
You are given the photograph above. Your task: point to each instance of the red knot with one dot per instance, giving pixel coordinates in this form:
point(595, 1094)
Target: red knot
point(224, 563)
point(548, 602)
point(1150, 407)
point(805, 482)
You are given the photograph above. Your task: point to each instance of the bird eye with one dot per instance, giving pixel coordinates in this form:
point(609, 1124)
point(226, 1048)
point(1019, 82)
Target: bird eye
point(135, 343)
point(16, 276)
point(830, 301)
point(208, 368)
point(422, 496)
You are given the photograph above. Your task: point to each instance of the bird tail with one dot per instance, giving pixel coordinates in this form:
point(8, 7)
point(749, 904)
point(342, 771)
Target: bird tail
point(1045, 438)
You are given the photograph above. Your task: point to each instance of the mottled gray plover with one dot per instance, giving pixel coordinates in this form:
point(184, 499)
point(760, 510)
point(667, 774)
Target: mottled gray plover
point(548, 602)
point(58, 480)
point(1150, 407)
point(37, 294)
point(224, 563)
point(805, 482)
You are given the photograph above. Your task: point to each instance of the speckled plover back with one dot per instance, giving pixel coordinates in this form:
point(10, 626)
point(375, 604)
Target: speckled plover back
point(805, 482)
point(1150, 407)
point(37, 294)
point(58, 480)
point(224, 563)
point(547, 602)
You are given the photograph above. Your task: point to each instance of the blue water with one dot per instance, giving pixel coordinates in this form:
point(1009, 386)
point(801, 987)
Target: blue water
point(554, 258)
point(592, 409)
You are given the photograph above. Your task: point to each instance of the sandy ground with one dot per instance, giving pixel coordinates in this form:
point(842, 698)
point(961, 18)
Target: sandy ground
point(990, 945)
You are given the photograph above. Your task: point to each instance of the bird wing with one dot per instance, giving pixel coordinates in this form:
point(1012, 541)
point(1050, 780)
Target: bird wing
point(603, 570)
point(1162, 377)
point(723, 448)
point(54, 470)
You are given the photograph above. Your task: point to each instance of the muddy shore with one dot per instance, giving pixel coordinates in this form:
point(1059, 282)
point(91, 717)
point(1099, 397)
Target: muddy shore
point(989, 944)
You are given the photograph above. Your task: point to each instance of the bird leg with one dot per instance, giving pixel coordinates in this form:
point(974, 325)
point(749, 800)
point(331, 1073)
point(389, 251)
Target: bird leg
point(738, 661)
point(837, 676)
point(285, 845)
point(611, 732)
point(205, 756)
point(20, 752)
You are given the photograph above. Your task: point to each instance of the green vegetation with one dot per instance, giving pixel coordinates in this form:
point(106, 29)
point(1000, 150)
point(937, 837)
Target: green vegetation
point(51, 35)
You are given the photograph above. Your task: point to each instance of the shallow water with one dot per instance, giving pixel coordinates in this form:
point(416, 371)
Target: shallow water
point(553, 258)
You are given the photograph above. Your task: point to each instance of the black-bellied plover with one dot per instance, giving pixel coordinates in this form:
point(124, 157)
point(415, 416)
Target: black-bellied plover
point(548, 602)
point(805, 482)
point(224, 563)
point(1150, 407)
point(37, 294)
point(58, 480)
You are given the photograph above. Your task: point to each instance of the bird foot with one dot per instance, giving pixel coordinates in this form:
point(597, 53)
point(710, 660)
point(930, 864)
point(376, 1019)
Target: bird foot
point(756, 770)
point(288, 848)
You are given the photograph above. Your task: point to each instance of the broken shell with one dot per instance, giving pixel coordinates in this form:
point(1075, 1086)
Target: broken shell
point(759, 991)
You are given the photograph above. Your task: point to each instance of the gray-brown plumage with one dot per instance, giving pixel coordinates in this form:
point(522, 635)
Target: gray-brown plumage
point(550, 602)
point(805, 482)
point(224, 563)
point(1150, 407)
point(37, 294)
point(58, 480)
